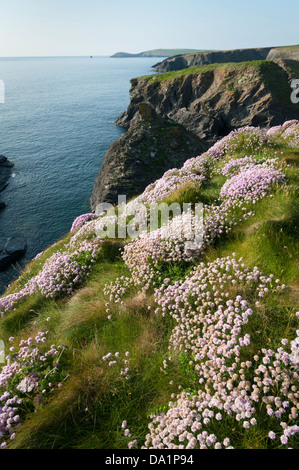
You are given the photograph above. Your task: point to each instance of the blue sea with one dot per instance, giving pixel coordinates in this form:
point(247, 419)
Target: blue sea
point(56, 125)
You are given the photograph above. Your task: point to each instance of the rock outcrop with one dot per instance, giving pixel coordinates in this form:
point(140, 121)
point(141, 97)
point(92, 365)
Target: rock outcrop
point(152, 145)
point(183, 61)
point(290, 53)
point(5, 171)
point(213, 100)
point(176, 115)
point(11, 249)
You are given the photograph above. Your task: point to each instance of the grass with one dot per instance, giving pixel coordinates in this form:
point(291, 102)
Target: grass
point(274, 77)
point(88, 410)
point(200, 69)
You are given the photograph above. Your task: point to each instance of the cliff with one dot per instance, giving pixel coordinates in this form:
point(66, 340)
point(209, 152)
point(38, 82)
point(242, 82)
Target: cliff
point(177, 114)
point(151, 146)
point(182, 61)
point(211, 100)
point(5, 171)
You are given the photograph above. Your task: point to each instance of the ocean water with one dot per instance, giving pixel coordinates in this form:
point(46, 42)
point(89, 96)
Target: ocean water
point(56, 125)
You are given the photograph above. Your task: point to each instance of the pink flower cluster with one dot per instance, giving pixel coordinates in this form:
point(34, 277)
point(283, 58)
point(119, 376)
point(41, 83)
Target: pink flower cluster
point(251, 184)
point(30, 374)
point(81, 220)
point(210, 335)
point(63, 271)
point(163, 187)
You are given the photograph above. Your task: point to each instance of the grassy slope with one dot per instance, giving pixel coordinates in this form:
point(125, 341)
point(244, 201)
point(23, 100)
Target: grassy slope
point(266, 68)
point(88, 410)
point(159, 53)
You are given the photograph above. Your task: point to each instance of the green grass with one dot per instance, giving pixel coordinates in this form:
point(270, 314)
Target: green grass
point(230, 66)
point(88, 410)
point(274, 77)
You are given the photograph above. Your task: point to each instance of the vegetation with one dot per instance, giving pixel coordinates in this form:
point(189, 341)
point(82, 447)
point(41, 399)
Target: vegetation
point(264, 67)
point(121, 357)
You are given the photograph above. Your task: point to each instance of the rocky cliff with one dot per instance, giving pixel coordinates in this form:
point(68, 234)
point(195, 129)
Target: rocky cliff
point(154, 53)
point(152, 145)
point(5, 171)
point(212, 100)
point(176, 115)
point(182, 61)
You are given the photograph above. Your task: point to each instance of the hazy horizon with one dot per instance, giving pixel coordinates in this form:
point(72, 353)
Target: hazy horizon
point(135, 52)
point(77, 28)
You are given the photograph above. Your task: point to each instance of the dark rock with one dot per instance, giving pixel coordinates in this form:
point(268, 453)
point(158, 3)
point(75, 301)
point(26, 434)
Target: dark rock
point(11, 249)
point(212, 102)
point(5, 171)
point(152, 145)
point(175, 117)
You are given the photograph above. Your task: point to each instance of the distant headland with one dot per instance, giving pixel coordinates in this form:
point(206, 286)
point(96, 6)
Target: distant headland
point(156, 53)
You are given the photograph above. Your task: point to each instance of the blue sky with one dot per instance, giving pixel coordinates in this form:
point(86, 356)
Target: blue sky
point(102, 27)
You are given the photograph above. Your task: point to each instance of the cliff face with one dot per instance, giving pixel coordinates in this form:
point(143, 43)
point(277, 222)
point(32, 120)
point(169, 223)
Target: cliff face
point(5, 171)
point(183, 61)
point(151, 146)
point(177, 115)
point(212, 100)
point(154, 53)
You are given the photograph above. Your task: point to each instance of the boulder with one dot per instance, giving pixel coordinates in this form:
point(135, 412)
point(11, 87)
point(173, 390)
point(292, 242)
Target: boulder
point(152, 145)
point(11, 249)
point(5, 171)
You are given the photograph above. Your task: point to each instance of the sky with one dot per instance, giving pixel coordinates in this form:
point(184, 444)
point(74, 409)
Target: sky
point(103, 27)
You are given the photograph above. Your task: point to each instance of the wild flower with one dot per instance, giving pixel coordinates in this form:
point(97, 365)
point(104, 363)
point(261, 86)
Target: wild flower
point(62, 272)
point(210, 330)
point(251, 184)
point(23, 379)
point(81, 220)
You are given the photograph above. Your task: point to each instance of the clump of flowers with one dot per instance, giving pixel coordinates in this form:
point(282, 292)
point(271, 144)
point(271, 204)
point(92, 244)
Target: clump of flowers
point(62, 272)
point(116, 360)
point(146, 254)
point(203, 164)
point(290, 133)
point(163, 187)
point(262, 392)
point(81, 220)
point(251, 184)
point(169, 244)
point(29, 376)
point(249, 139)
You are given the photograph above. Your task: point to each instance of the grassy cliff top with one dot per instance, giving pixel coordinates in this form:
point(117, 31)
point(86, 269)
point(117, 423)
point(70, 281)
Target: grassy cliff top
point(162, 77)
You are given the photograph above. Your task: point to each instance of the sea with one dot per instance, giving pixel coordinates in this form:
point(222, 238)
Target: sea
point(56, 125)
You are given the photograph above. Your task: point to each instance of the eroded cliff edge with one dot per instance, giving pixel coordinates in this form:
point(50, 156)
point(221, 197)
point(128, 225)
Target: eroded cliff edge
point(182, 61)
point(212, 100)
point(176, 115)
point(152, 145)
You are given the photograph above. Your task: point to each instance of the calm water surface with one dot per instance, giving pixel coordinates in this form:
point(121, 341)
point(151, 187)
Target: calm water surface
point(55, 126)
